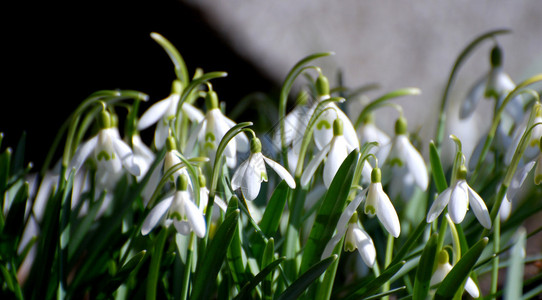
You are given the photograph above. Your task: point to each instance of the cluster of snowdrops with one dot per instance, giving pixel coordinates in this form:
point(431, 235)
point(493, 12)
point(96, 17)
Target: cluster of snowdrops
point(348, 211)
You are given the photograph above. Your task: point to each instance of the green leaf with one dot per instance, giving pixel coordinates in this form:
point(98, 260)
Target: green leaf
point(365, 287)
point(513, 288)
point(5, 162)
point(455, 280)
point(425, 269)
point(211, 262)
point(436, 168)
point(410, 242)
point(380, 101)
point(125, 271)
point(236, 257)
point(267, 259)
point(299, 285)
point(174, 55)
point(330, 211)
point(17, 164)
point(274, 209)
point(251, 284)
point(15, 219)
point(390, 292)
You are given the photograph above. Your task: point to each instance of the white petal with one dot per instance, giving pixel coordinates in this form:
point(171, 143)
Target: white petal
point(459, 202)
point(313, 165)
point(440, 273)
point(365, 246)
point(281, 171)
point(473, 97)
point(237, 178)
point(155, 215)
point(183, 227)
point(438, 205)
point(505, 209)
point(82, 153)
point(193, 138)
point(479, 208)
point(241, 139)
point(197, 222)
point(337, 154)
point(252, 179)
point(384, 151)
point(471, 288)
point(160, 134)
point(349, 132)
point(154, 113)
point(415, 164)
point(126, 156)
point(370, 133)
point(141, 149)
point(221, 203)
point(323, 131)
point(386, 213)
point(194, 114)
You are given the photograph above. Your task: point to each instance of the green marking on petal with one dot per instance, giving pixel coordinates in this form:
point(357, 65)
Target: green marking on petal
point(264, 176)
point(104, 155)
point(176, 215)
point(396, 161)
point(209, 145)
point(323, 124)
point(349, 246)
point(210, 137)
point(370, 210)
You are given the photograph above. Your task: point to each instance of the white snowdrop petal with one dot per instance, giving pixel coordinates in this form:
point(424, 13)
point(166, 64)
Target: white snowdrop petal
point(155, 215)
point(439, 204)
point(335, 158)
point(386, 213)
point(182, 227)
point(194, 136)
point(161, 134)
point(154, 113)
point(349, 132)
point(251, 180)
point(459, 202)
point(471, 288)
point(323, 131)
point(365, 246)
point(479, 208)
point(473, 97)
point(141, 149)
point(313, 165)
point(416, 165)
point(505, 209)
point(193, 113)
point(126, 156)
point(221, 203)
point(237, 178)
point(82, 153)
point(440, 273)
point(195, 218)
point(281, 171)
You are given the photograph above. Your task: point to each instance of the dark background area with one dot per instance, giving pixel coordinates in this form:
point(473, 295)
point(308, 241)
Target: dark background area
point(57, 54)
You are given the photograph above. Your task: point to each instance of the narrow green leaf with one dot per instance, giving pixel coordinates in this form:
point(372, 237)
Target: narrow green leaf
point(267, 259)
point(17, 164)
point(125, 271)
point(410, 242)
point(299, 285)
point(425, 269)
point(274, 209)
point(513, 288)
point(330, 211)
point(390, 292)
point(251, 284)
point(436, 168)
point(235, 255)
point(460, 272)
point(380, 100)
point(5, 162)
point(211, 262)
point(15, 219)
point(365, 288)
point(174, 55)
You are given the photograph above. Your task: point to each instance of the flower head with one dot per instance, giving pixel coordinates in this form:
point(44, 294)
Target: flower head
point(379, 204)
point(250, 174)
point(357, 238)
point(458, 196)
point(444, 267)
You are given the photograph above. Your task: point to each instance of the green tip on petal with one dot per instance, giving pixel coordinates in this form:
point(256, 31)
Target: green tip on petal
point(322, 85)
point(376, 175)
point(354, 218)
point(171, 144)
point(462, 173)
point(496, 56)
point(442, 257)
point(370, 210)
point(211, 100)
point(104, 119)
point(337, 127)
point(401, 126)
point(176, 87)
point(255, 145)
point(202, 181)
point(349, 246)
point(182, 182)
point(368, 119)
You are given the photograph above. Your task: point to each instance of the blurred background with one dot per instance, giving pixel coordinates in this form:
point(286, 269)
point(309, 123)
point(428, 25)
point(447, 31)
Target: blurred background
point(56, 54)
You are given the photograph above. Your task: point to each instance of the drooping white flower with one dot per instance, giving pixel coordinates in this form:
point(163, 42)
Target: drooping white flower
point(368, 133)
point(110, 153)
point(179, 210)
point(323, 131)
point(336, 150)
point(379, 204)
point(402, 153)
point(457, 197)
point(212, 129)
point(536, 133)
point(250, 174)
point(164, 111)
point(357, 238)
point(444, 267)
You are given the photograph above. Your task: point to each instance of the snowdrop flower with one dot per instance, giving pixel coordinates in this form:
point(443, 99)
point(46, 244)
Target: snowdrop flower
point(164, 111)
point(179, 210)
point(402, 153)
point(336, 150)
point(444, 267)
point(323, 133)
point(172, 158)
point(110, 153)
point(250, 174)
point(379, 204)
point(369, 133)
point(458, 196)
point(212, 129)
point(204, 198)
point(536, 134)
point(143, 156)
point(357, 238)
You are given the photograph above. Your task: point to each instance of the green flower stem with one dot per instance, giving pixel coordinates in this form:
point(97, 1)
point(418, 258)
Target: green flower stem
point(187, 267)
point(291, 242)
point(178, 61)
point(497, 118)
point(318, 111)
point(154, 269)
point(379, 102)
point(496, 247)
point(387, 261)
point(441, 233)
point(459, 61)
point(455, 240)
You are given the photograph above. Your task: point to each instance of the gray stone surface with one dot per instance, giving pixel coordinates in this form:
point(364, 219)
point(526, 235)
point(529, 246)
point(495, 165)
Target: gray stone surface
point(394, 43)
